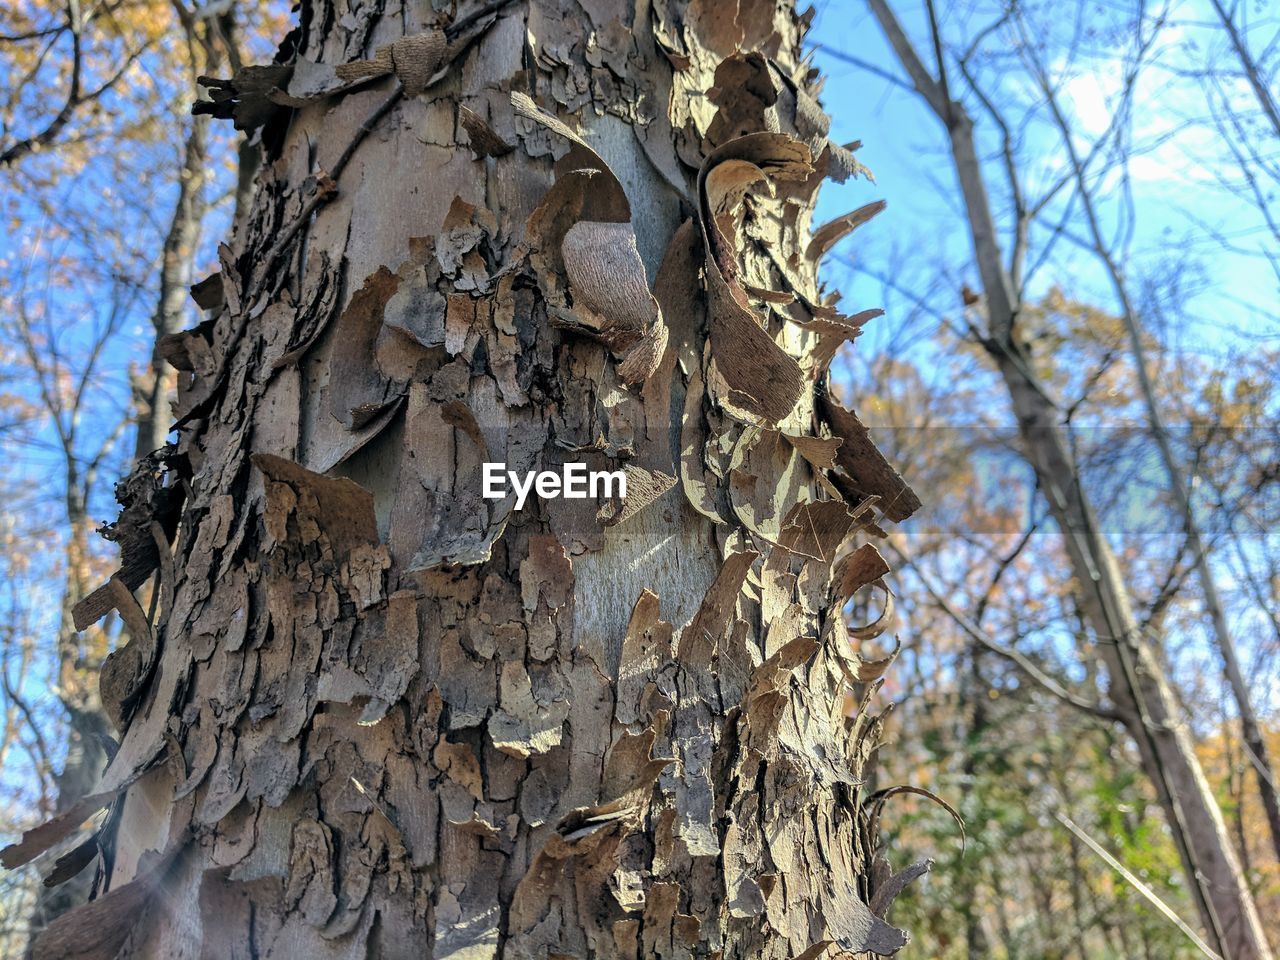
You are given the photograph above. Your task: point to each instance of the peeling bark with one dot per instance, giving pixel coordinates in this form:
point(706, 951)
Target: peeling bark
point(378, 715)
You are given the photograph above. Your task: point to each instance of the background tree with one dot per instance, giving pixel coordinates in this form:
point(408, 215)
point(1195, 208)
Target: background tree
point(369, 708)
point(1022, 73)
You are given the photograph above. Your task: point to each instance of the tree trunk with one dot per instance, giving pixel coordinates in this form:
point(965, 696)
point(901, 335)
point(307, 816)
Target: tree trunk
point(177, 258)
point(379, 715)
point(1254, 744)
point(973, 690)
point(1137, 682)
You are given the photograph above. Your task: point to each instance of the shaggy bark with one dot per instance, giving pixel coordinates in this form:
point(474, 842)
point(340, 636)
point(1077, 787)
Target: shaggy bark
point(377, 715)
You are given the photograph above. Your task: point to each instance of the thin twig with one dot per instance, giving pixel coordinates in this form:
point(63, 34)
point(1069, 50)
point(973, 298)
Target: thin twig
point(1137, 884)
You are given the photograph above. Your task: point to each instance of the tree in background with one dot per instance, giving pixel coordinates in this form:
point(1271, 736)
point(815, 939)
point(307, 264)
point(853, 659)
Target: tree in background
point(370, 710)
point(85, 235)
point(1138, 684)
point(1083, 381)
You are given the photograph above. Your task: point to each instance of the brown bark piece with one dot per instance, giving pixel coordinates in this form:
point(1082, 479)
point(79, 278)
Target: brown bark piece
point(865, 466)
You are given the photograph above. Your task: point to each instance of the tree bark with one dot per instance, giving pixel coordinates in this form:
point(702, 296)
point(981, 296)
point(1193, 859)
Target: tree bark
point(1137, 682)
point(378, 715)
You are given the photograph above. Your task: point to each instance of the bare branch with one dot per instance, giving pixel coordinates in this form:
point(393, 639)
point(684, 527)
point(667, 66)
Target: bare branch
point(1132, 879)
point(1260, 89)
point(1016, 657)
point(23, 147)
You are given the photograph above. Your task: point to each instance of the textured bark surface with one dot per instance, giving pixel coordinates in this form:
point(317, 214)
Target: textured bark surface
point(377, 715)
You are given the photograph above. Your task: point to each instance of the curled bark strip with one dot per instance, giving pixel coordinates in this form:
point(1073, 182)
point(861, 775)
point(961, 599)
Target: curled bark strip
point(862, 568)
point(609, 194)
point(869, 631)
point(859, 568)
point(754, 93)
point(484, 141)
point(134, 617)
point(858, 930)
point(326, 457)
point(128, 667)
point(832, 330)
point(146, 495)
point(816, 529)
point(340, 509)
point(414, 60)
point(645, 357)
point(560, 209)
point(870, 670)
point(643, 488)
point(39, 839)
point(358, 391)
point(866, 470)
point(887, 891)
point(69, 864)
point(611, 295)
point(764, 474)
point(841, 164)
point(583, 228)
point(832, 232)
point(819, 451)
point(855, 667)
point(698, 485)
point(674, 289)
point(701, 636)
point(780, 297)
point(207, 293)
point(315, 313)
point(762, 379)
point(874, 805)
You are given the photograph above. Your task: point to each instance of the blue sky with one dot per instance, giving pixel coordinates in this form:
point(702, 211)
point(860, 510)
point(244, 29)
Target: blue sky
point(1175, 208)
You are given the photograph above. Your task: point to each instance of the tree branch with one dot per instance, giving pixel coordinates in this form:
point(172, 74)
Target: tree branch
point(1016, 657)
